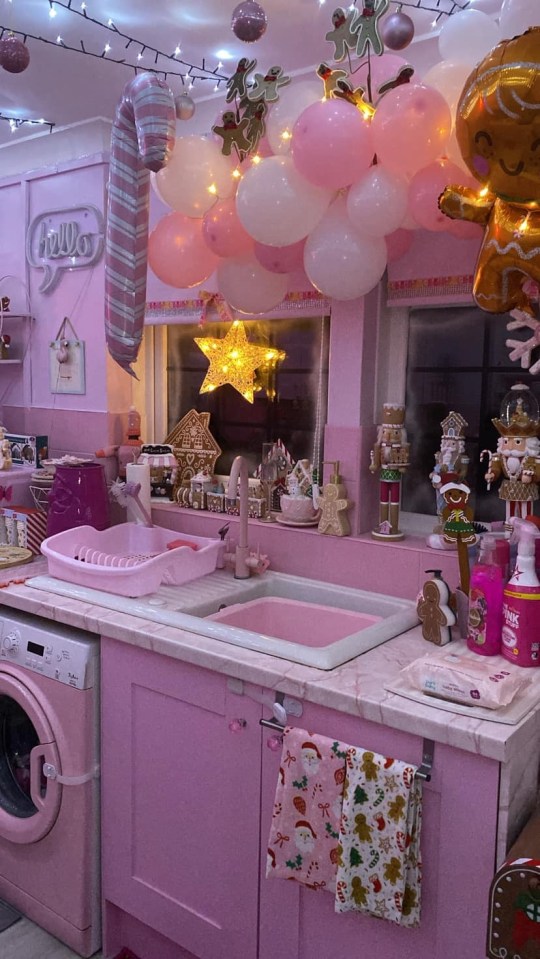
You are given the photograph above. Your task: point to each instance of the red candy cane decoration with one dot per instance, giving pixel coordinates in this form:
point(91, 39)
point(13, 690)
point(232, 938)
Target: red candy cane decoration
point(142, 139)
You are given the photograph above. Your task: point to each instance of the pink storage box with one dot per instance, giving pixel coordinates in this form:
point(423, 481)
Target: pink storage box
point(129, 559)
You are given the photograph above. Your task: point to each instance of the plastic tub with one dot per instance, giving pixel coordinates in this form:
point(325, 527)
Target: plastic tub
point(129, 559)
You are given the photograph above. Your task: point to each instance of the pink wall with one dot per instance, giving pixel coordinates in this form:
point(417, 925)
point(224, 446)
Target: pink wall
point(73, 422)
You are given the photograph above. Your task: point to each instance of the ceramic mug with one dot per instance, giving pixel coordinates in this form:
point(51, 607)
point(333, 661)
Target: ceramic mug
point(297, 509)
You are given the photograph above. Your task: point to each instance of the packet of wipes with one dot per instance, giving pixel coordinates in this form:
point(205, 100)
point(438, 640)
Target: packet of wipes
point(462, 677)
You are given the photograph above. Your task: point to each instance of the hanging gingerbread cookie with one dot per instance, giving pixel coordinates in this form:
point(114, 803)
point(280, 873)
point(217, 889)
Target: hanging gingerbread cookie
point(234, 134)
point(330, 78)
point(256, 127)
point(266, 87)
point(237, 84)
point(343, 34)
point(366, 27)
point(354, 95)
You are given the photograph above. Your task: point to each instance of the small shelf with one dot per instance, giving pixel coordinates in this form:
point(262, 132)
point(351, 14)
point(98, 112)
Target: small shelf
point(10, 362)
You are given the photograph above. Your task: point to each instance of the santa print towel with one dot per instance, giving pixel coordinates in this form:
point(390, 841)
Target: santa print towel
point(304, 834)
point(379, 867)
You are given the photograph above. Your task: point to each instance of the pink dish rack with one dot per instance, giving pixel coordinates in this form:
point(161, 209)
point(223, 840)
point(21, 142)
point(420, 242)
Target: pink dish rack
point(128, 559)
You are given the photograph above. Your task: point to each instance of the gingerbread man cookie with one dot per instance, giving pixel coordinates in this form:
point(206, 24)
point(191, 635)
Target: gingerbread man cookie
point(345, 91)
point(333, 519)
point(266, 88)
point(330, 78)
point(237, 84)
point(343, 34)
point(257, 126)
point(366, 27)
point(233, 134)
point(434, 612)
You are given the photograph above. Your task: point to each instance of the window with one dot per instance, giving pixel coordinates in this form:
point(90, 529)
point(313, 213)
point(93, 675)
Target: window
point(457, 360)
point(292, 407)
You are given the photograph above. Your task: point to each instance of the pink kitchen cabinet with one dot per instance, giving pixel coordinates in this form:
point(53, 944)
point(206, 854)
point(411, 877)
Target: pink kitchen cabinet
point(181, 809)
point(458, 848)
point(187, 803)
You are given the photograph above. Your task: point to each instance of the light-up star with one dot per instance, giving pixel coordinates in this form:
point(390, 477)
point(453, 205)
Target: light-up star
point(234, 360)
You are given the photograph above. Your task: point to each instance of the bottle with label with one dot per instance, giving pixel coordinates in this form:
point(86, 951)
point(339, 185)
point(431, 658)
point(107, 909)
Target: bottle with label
point(521, 605)
point(130, 449)
point(486, 602)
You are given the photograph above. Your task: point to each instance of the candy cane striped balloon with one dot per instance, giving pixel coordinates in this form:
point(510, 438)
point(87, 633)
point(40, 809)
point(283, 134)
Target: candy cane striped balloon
point(142, 140)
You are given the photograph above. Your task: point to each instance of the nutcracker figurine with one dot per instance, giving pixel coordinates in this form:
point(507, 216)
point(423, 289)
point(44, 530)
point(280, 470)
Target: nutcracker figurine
point(390, 456)
point(517, 458)
point(450, 461)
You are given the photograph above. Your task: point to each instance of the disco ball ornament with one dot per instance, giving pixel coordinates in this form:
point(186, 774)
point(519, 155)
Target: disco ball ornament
point(248, 21)
point(397, 31)
point(14, 55)
point(184, 106)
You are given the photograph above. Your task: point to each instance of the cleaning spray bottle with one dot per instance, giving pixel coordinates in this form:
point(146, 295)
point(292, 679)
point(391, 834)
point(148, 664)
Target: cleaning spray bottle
point(521, 605)
point(486, 601)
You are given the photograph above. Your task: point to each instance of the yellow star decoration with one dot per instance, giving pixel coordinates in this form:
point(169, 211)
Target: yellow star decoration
point(234, 360)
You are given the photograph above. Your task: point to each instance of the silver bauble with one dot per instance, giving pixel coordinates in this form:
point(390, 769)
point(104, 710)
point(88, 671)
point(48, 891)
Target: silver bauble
point(184, 106)
point(397, 31)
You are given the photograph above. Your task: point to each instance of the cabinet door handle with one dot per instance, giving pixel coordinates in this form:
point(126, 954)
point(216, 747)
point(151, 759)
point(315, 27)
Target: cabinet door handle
point(237, 725)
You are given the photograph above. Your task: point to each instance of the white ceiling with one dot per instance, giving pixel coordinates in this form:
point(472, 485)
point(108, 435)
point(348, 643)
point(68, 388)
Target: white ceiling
point(64, 87)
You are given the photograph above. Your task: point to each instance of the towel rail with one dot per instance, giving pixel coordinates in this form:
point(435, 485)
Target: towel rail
point(428, 748)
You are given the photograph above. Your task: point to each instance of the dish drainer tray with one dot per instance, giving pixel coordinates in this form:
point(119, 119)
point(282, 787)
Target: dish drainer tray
point(128, 559)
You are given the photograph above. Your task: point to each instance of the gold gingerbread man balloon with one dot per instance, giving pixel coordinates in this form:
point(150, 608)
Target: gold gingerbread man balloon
point(498, 132)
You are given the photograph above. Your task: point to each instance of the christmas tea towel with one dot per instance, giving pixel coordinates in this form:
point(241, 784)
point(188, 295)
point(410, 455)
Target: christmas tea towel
point(379, 866)
point(304, 834)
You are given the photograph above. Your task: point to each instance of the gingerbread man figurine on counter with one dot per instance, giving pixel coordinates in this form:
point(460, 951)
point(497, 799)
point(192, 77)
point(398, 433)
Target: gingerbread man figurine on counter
point(390, 456)
point(517, 458)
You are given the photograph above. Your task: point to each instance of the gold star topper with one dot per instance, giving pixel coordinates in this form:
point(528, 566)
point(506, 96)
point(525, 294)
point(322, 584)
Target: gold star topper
point(234, 359)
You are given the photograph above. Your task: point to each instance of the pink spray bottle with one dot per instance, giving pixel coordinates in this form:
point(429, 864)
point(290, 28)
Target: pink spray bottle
point(521, 601)
point(485, 601)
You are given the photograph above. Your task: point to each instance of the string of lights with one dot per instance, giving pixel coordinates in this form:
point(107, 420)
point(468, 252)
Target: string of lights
point(16, 122)
point(439, 7)
point(193, 72)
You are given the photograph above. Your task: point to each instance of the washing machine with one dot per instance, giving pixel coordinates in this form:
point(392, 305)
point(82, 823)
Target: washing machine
point(49, 777)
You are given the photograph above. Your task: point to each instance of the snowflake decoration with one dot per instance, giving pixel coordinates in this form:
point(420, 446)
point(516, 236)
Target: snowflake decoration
point(522, 349)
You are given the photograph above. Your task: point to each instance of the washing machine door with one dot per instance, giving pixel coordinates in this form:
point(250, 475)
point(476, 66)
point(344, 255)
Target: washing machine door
point(29, 803)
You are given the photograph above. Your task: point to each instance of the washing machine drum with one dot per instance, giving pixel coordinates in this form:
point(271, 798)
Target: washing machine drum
point(29, 803)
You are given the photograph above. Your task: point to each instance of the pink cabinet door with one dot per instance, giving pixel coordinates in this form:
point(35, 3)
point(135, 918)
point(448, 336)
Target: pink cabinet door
point(458, 849)
point(181, 802)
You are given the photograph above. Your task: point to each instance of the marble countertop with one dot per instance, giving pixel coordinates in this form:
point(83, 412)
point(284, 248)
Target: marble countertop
point(356, 688)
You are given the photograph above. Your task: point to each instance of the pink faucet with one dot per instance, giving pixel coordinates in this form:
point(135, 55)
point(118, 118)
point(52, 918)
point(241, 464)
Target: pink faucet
point(239, 470)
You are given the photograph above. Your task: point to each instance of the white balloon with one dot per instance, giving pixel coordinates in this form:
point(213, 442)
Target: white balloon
point(517, 16)
point(377, 203)
point(468, 36)
point(284, 114)
point(486, 6)
point(248, 287)
point(448, 77)
point(340, 261)
point(276, 205)
point(196, 174)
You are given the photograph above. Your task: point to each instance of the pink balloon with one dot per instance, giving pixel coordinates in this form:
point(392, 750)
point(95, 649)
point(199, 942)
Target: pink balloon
point(248, 287)
point(280, 259)
point(380, 70)
point(411, 127)
point(398, 243)
point(223, 233)
point(465, 230)
point(177, 253)
point(425, 189)
point(332, 144)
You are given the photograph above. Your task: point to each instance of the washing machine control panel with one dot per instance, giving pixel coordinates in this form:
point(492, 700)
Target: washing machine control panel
point(68, 656)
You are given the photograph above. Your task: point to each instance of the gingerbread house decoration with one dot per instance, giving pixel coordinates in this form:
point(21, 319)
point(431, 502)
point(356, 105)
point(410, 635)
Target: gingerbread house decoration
point(454, 425)
point(195, 448)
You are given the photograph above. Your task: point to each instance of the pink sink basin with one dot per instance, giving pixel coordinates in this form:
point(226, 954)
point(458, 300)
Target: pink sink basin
point(295, 621)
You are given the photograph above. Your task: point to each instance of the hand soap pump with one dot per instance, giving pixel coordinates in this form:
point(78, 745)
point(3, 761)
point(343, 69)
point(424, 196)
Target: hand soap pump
point(521, 602)
point(334, 504)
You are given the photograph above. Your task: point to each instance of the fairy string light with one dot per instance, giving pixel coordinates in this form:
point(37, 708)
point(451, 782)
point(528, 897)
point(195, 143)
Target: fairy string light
point(15, 122)
point(194, 71)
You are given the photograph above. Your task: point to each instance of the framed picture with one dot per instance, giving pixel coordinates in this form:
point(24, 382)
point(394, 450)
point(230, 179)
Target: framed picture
point(66, 366)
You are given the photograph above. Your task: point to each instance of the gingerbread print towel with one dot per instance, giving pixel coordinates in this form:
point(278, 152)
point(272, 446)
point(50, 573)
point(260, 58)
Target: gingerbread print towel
point(304, 834)
point(379, 867)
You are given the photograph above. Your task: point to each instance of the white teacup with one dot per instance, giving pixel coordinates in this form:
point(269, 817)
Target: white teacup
point(297, 509)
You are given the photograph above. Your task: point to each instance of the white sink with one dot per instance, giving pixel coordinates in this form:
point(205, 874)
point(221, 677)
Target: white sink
point(365, 619)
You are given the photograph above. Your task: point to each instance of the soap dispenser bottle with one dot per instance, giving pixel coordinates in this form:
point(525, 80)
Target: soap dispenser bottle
point(485, 601)
point(521, 601)
point(334, 505)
